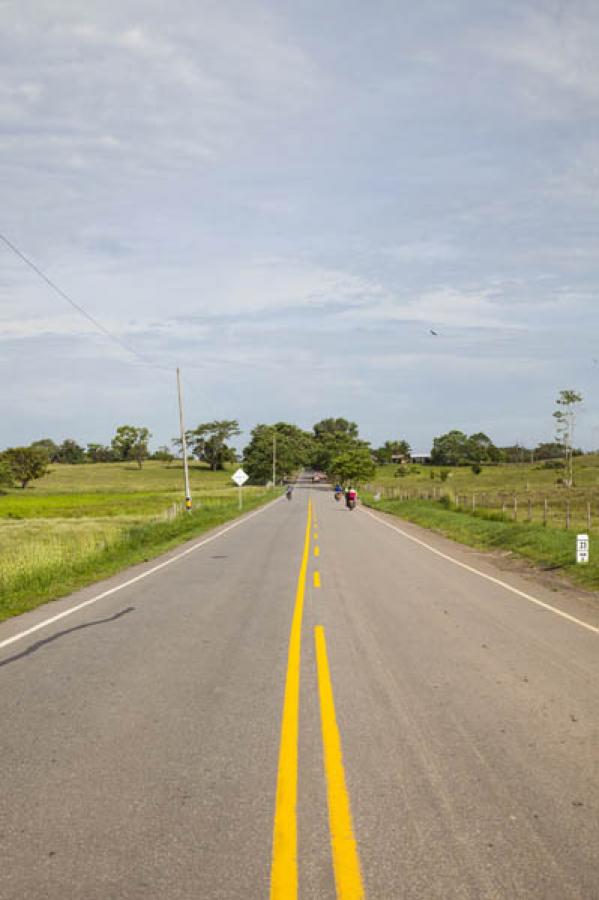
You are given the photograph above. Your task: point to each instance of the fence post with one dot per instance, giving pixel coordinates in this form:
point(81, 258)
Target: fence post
point(567, 514)
point(588, 515)
point(503, 506)
point(515, 508)
point(473, 502)
point(529, 510)
point(545, 511)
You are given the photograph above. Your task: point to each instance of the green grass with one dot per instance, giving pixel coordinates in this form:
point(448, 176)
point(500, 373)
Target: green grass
point(550, 548)
point(495, 487)
point(82, 523)
point(154, 477)
point(42, 560)
point(65, 506)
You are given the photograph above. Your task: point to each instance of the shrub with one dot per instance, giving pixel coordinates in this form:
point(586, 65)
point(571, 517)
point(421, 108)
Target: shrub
point(552, 464)
point(444, 474)
point(476, 468)
point(401, 472)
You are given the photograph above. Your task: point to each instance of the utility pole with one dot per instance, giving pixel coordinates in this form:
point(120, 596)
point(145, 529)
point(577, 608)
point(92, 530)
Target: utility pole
point(274, 459)
point(184, 446)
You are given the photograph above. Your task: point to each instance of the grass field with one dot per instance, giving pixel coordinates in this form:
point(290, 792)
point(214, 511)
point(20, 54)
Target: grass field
point(516, 507)
point(522, 492)
point(81, 523)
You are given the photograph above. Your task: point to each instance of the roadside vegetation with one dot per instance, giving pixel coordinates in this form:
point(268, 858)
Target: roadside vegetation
point(70, 514)
point(522, 508)
point(80, 523)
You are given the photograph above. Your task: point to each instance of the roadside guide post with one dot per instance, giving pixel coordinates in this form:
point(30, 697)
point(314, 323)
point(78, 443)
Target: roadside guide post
point(240, 477)
point(582, 548)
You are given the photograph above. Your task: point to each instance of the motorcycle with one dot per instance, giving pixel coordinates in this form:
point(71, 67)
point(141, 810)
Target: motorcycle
point(351, 504)
point(338, 496)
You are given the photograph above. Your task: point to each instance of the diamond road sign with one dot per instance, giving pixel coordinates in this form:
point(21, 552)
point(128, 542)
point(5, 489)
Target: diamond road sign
point(240, 477)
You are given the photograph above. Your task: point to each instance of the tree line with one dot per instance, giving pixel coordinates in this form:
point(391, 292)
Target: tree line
point(333, 446)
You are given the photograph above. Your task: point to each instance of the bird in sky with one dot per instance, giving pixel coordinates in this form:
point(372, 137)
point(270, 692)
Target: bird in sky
point(436, 333)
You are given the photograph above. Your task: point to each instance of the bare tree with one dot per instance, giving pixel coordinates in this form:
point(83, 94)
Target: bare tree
point(565, 420)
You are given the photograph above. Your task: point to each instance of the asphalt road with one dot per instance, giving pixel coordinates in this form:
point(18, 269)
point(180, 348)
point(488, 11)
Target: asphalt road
point(311, 705)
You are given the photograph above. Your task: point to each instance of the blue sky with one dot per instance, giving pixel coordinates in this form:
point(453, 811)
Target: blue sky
point(284, 198)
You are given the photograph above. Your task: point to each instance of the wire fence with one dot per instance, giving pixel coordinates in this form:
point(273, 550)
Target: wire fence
point(575, 511)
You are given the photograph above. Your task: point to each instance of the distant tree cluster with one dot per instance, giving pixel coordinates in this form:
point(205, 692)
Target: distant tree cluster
point(209, 442)
point(333, 446)
point(21, 465)
point(456, 449)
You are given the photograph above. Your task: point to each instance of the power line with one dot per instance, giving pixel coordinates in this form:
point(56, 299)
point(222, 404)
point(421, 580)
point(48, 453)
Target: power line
point(113, 337)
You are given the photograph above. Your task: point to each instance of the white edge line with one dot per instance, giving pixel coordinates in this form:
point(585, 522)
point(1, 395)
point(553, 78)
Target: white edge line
point(119, 587)
point(503, 584)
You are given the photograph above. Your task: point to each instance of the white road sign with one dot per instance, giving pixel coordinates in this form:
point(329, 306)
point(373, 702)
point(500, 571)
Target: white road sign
point(582, 548)
point(240, 477)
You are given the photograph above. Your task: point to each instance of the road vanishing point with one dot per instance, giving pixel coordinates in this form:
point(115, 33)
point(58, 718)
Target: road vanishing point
point(308, 703)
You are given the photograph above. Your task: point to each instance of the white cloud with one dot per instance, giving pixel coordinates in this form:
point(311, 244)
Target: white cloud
point(557, 49)
point(423, 251)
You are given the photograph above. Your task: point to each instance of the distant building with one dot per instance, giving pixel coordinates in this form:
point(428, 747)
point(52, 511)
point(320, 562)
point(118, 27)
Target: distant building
point(399, 458)
point(423, 459)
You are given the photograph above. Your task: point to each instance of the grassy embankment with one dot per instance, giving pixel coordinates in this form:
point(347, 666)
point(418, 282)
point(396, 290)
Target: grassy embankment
point(494, 523)
point(82, 523)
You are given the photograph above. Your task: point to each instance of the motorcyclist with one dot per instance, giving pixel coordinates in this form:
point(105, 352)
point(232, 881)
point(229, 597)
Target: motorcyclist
point(351, 495)
point(289, 491)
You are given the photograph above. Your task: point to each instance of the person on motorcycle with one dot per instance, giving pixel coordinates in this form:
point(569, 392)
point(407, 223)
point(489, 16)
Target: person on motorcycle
point(289, 492)
point(338, 491)
point(351, 495)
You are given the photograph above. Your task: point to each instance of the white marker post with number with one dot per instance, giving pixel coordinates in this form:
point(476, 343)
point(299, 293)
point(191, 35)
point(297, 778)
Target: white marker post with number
point(582, 548)
point(240, 477)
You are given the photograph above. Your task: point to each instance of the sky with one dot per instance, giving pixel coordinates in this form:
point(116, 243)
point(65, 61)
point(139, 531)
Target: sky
point(284, 198)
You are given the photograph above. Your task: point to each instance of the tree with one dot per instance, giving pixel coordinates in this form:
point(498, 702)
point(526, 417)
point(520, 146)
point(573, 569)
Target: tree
point(98, 453)
point(481, 449)
point(163, 454)
point(565, 420)
point(25, 463)
point(332, 437)
point(69, 452)
point(208, 442)
point(516, 453)
point(352, 466)
point(131, 442)
point(293, 451)
point(6, 475)
point(385, 454)
point(548, 450)
point(335, 426)
point(450, 449)
point(49, 446)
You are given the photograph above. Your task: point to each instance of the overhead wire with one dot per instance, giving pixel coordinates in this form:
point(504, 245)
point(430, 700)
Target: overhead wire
point(81, 310)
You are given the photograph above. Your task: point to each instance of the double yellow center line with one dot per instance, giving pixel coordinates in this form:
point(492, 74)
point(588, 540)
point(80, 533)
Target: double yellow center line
point(346, 865)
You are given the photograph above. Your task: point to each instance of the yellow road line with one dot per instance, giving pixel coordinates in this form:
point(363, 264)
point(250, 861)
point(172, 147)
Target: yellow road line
point(317, 551)
point(346, 862)
point(316, 579)
point(283, 872)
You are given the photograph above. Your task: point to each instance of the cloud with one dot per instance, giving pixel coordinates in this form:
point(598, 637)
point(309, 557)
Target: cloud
point(422, 252)
point(557, 51)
